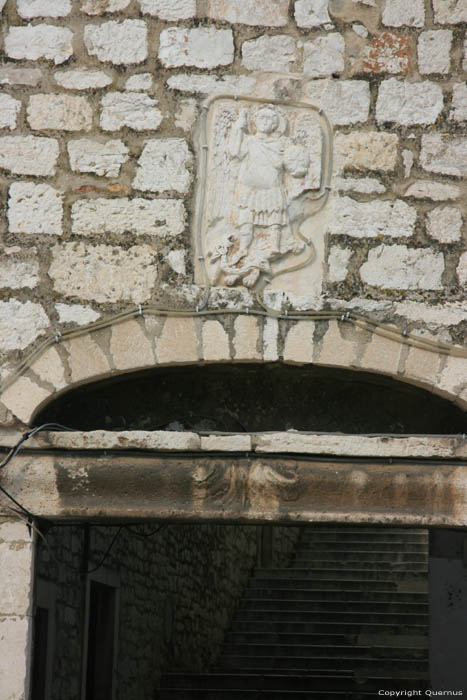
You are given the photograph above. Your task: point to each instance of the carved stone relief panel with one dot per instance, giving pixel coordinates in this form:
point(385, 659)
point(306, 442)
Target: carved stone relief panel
point(263, 185)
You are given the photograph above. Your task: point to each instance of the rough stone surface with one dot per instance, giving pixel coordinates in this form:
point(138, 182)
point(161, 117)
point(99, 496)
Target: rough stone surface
point(29, 155)
point(444, 224)
point(246, 338)
point(462, 269)
point(269, 53)
point(49, 368)
point(311, 13)
point(324, 56)
point(229, 443)
point(162, 166)
point(176, 260)
point(210, 84)
point(336, 350)
point(99, 7)
point(36, 209)
point(215, 341)
point(121, 43)
point(130, 347)
point(338, 260)
point(9, 108)
point(345, 102)
point(299, 346)
point(399, 13)
point(85, 358)
point(140, 81)
point(136, 110)
point(187, 114)
point(361, 185)
point(382, 355)
point(203, 47)
point(23, 397)
point(28, 9)
point(177, 342)
point(16, 272)
point(169, 10)
point(407, 103)
point(104, 273)
point(20, 324)
point(434, 49)
point(120, 215)
point(255, 12)
point(442, 153)
point(450, 11)
point(82, 79)
point(372, 219)
point(20, 76)
point(76, 313)
point(271, 340)
point(89, 156)
point(39, 41)
point(367, 150)
point(385, 53)
point(399, 267)
point(65, 112)
point(438, 315)
point(421, 365)
point(437, 191)
point(459, 102)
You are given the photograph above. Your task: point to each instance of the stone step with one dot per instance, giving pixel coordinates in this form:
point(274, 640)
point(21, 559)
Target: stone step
point(354, 563)
point(232, 694)
point(361, 546)
point(353, 538)
point(323, 553)
point(292, 664)
point(402, 638)
point(262, 618)
point(318, 624)
point(315, 651)
point(342, 595)
point(341, 573)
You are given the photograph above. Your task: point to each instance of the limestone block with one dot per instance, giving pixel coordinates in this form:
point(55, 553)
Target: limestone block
point(28, 9)
point(20, 324)
point(16, 552)
point(133, 109)
point(446, 314)
point(299, 343)
point(324, 56)
point(311, 13)
point(85, 358)
point(385, 53)
point(129, 346)
point(444, 224)
point(254, 12)
point(464, 62)
point(89, 156)
point(269, 53)
point(442, 153)
point(437, 191)
point(246, 338)
point(169, 10)
point(399, 267)
point(176, 260)
point(215, 342)
point(154, 217)
point(28, 155)
point(367, 150)
point(271, 340)
point(82, 79)
point(36, 209)
point(450, 11)
point(39, 41)
point(20, 76)
point(121, 43)
point(163, 166)
point(345, 102)
point(104, 273)
point(165, 440)
point(336, 350)
point(371, 219)
point(407, 159)
point(9, 108)
point(361, 185)
point(203, 47)
point(76, 313)
point(382, 355)
point(178, 341)
point(17, 273)
point(212, 85)
point(140, 81)
point(434, 51)
point(453, 379)
point(23, 397)
point(338, 263)
point(421, 365)
point(187, 114)
point(407, 103)
point(399, 13)
point(15, 634)
point(459, 102)
point(66, 112)
point(462, 269)
point(227, 443)
point(99, 7)
point(49, 368)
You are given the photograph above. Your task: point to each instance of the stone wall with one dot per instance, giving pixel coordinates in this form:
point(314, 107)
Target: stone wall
point(99, 159)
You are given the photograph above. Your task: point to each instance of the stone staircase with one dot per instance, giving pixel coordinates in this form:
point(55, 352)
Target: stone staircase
point(349, 617)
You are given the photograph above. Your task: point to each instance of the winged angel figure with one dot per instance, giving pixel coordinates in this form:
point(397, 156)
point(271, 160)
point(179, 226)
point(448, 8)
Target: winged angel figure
point(257, 171)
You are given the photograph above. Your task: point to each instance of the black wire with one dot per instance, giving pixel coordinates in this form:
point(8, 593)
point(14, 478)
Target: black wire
point(108, 550)
point(146, 534)
point(24, 438)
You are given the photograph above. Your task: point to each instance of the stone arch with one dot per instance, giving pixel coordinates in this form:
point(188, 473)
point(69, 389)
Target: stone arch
point(150, 341)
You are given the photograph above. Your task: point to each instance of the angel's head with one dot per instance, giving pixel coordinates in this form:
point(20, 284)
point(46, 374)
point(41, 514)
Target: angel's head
point(266, 120)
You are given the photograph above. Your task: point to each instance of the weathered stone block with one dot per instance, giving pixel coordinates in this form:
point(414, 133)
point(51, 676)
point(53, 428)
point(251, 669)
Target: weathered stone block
point(336, 350)
point(16, 273)
point(9, 108)
point(49, 368)
point(28, 9)
point(65, 112)
point(121, 43)
point(338, 263)
point(254, 12)
point(178, 341)
point(86, 358)
point(99, 7)
point(39, 41)
point(371, 219)
point(450, 11)
point(246, 338)
point(129, 346)
point(312, 13)
point(88, 156)
point(23, 397)
point(399, 13)
point(324, 56)
point(154, 217)
point(20, 324)
point(15, 633)
point(215, 342)
point(187, 113)
point(20, 76)
point(211, 85)
point(345, 102)
point(271, 340)
point(34, 209)
point(399, 267)
point(227, 443)
point(176, 260)
point(453, 379)
point(82, 79)
point(459, 102)
point(360, 185)
point(104, 273)
point(162, 166)
point(444, 224)
point(436, 191)
point(462, 269)
point(443, 153)
point(203, 47)
point(136, 110)
point(76, 313)
point(382, 355)
point(28, 155)
point(269, 53)
point(407, 103)
point(434, 51)
point(169, 10)
point(140, 81)
point(421, 365)
point(367, 150)
point(299, 343)
point(386, 53)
